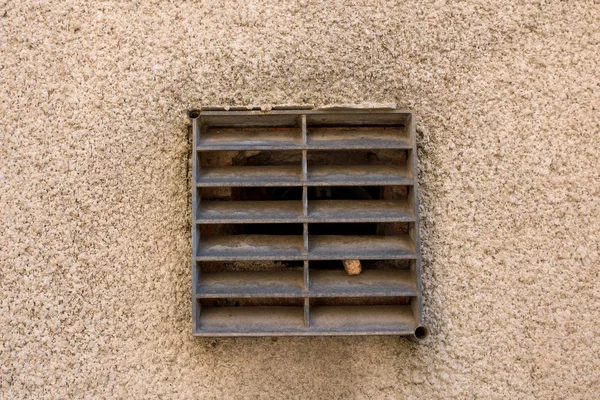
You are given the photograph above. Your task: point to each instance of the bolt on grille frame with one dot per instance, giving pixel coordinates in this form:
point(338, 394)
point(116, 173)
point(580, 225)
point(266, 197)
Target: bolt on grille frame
point(275, 299)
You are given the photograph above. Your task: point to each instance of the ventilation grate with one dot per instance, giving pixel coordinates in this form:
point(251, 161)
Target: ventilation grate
point(286, 205)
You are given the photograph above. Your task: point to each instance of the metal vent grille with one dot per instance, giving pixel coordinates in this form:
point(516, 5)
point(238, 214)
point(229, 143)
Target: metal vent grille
point(283, 201)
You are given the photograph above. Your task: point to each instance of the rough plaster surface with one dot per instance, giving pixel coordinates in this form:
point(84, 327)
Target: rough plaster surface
point(94, 234)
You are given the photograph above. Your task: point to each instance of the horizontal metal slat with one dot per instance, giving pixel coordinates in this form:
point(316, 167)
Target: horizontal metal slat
point(250, 138)
point(314, 117)
point(288, 321)
point(319, 138)
point(359, 175)
point(318, 175)
point(250, 176)
point(367, 247)
point(357, 320)
point(221, 212)
point(323, 283)
point(347, 138)
point(388, 282)
point(251, 284)
point(290, 211)
point(250, 247)
point(250, 321)
point(289, 247)
point(359, 211)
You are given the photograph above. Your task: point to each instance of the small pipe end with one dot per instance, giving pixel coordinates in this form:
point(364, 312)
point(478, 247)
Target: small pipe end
point(193, 114)
point(421, 333)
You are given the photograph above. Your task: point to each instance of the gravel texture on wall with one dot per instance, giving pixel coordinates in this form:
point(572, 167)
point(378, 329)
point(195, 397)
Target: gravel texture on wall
point(94, 196)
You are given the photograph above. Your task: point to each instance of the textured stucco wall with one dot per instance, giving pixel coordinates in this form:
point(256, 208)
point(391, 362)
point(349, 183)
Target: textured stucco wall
point(94, 219)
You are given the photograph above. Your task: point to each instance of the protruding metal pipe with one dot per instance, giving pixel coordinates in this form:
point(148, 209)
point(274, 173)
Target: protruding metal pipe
point(420, 334)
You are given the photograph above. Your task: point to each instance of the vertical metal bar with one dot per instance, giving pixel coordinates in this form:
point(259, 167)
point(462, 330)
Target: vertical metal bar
point(305, 213)
point(305, 238)
point(304, 166)
point(195, 118)
point(306, 283)
point(305, 201)
point(197, 309)
point(304, 169)
point(304, 133)
point(416, 302)
point(306, 312)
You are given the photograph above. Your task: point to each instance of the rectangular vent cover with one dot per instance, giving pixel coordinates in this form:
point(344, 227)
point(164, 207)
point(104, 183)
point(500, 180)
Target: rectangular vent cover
point(280, 199)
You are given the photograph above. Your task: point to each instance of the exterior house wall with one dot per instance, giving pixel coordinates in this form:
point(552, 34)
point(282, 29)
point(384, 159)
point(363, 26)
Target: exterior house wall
point(94, 200)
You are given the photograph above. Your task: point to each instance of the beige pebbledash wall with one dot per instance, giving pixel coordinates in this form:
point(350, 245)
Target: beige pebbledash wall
point(94, 218)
